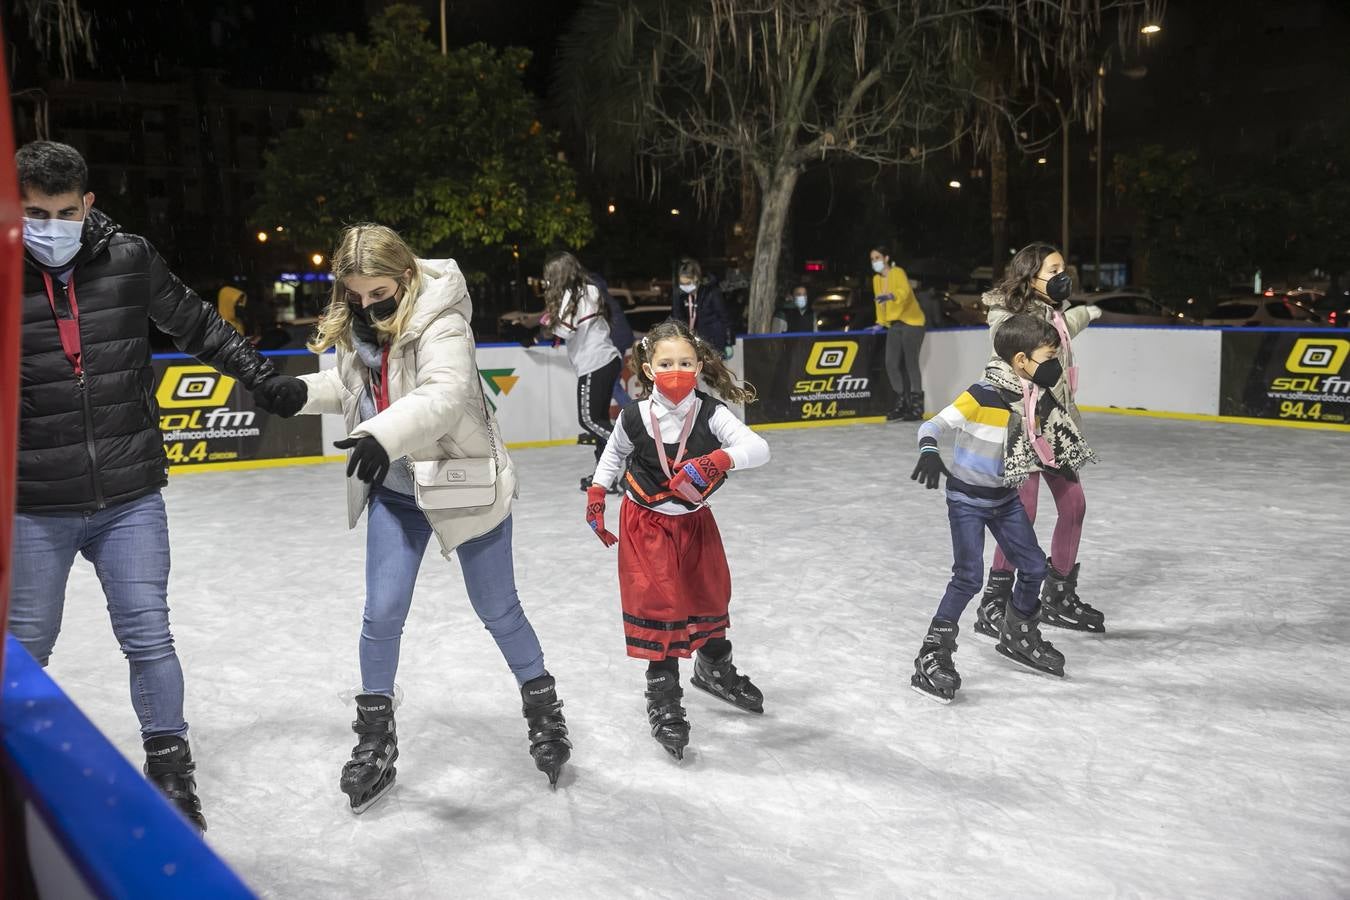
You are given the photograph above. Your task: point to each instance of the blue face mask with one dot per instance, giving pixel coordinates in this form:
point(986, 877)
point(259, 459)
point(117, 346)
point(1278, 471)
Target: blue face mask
point(53, 242)
point(799, 301)
point(688, 288)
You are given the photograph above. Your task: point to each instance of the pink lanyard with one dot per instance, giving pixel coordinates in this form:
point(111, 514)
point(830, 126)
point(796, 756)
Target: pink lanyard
point(691, 303)
point(1031, 395)
point(684, 436)
point(1070, 370)
point(68, 329)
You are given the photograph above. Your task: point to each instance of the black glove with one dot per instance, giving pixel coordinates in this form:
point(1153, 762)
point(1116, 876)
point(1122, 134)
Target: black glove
point(368, 460)
point(929, 470)
point(281, 395)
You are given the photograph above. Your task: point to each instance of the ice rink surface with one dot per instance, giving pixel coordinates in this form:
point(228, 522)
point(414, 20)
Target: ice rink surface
point(1197, 749)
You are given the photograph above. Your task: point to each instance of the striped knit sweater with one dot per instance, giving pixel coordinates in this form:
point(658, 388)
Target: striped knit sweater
point(980, 417)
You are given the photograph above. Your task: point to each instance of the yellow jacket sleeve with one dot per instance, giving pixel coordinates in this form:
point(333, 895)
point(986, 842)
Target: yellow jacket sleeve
point(900, 304)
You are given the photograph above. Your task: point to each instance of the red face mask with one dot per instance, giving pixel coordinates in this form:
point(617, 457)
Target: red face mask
point(676, 385)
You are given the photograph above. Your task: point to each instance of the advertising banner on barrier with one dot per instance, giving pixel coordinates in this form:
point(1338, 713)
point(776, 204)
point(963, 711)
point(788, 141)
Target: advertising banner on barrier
point(813, 377)
point(1288, 375)
point(207, 417)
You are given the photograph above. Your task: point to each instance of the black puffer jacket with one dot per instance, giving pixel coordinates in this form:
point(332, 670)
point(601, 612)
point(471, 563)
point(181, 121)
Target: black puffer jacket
point(87, 443)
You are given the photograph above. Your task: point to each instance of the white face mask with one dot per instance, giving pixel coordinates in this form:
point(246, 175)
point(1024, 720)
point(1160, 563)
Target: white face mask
point(688, 288)
point(878, 266)
point(800, 301)
point(53, 242)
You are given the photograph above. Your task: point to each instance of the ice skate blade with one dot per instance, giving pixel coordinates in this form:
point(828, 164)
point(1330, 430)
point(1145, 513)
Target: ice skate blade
point(709, 689)
point(1076, 626)
point(358, 808)
point(1023, 661)
point(986, 630)
point(936, 698)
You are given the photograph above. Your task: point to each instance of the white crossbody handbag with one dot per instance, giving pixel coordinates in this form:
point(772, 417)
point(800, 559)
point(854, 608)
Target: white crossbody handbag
point(467, 483)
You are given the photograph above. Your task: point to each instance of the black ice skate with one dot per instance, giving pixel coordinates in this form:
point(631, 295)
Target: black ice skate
point(370, 773)
point(549, 744)
point(998, 590)
point(169, 766)
point(935, 674)
point(720, 678)
point(669, 726)
point(1021, 642)
point(1063, 608)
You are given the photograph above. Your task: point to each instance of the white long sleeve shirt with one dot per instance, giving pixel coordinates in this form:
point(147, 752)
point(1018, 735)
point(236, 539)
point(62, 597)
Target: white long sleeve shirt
point(745, 448)
point(586, 332)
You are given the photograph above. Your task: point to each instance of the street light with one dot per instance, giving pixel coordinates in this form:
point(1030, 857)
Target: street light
point(317, 259)
point(611, 209)
point(1151, 28)
point(262, 237)
point(1042, 161)
point(674, 212)
point(954, 185)
point(280, 229)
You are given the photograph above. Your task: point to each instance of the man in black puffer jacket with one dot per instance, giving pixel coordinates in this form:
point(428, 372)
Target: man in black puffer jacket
point(91, 458)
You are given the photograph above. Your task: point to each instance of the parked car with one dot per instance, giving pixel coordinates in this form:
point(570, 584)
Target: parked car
point(1334, 309)
point(1131, 307)
point(1260, 310)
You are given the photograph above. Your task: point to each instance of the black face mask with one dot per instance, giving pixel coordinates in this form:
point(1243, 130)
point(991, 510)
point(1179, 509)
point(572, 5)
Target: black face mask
point(376, 311)
point(1058, 287)
point(1048, 373)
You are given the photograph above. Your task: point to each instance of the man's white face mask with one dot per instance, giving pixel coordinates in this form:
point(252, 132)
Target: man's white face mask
point(53, 242)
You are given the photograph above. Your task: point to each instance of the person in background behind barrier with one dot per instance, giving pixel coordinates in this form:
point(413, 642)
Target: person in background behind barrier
point(795, 315)
point(899, 313)
point(91, 455)
point(575, 312)
point(408, 386)
point(697, 304)
point(620, 332)
point(1036, 282)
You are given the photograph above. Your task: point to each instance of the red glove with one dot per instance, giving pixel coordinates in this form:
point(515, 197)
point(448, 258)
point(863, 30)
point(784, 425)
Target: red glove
point(700, 473)
point(595, 514)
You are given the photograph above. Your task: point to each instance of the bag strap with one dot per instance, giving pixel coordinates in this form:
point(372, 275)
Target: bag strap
point(482, 394)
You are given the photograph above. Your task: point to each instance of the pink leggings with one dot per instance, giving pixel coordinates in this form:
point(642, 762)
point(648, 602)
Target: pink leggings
point(1071, 505)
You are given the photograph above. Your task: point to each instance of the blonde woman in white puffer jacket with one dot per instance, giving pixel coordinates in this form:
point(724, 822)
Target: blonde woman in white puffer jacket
point(425, 458)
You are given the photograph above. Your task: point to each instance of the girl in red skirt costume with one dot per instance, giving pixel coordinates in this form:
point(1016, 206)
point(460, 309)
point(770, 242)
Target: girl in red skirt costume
point(669, 453)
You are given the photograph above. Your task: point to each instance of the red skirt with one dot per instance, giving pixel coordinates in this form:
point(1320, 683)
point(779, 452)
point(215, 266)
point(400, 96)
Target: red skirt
point(673, 581)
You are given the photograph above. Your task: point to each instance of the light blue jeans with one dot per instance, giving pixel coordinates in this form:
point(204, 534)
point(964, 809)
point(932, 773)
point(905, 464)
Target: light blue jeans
point(128, 545)
point(397, 533)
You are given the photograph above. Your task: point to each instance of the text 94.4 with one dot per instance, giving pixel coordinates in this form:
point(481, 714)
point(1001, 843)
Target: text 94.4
point(1297, 409)
point(820, 410)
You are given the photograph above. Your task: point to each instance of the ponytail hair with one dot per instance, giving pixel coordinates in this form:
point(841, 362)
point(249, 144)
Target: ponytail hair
point(715, 371)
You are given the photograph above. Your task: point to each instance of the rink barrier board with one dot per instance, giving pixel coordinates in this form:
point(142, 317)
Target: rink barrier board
point(89, 812)
point(533, 391)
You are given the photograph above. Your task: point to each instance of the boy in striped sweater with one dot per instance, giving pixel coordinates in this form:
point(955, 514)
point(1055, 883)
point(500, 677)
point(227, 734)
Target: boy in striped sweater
point(993, 441)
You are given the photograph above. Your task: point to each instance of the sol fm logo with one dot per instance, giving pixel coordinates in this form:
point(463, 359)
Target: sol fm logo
point(832, 358)
point(1319, 362)
point(830, 366)
point(1320, 356)
point(195, 388)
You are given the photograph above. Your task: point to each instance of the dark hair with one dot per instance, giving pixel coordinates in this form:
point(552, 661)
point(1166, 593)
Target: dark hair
point(1016, 286)
point(566, 276)
point(689, 268)
point(715, 371)
point(878, 248)
point(1023, 333)
point(52, 168)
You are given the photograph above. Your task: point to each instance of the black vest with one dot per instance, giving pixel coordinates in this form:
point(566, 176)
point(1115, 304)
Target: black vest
point(646, 481)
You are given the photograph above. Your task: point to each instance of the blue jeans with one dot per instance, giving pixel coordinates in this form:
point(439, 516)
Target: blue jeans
point(128, 545)
point(1013, 531)
point(397, 533)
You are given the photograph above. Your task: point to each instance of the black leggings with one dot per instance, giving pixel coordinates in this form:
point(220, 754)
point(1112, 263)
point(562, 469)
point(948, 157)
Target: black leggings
point(594, 390)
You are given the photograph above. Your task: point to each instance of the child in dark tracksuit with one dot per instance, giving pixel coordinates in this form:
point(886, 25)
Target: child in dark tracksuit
point(1001, 423)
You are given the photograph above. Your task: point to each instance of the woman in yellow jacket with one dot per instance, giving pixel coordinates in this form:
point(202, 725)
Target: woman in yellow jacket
point(899, 312)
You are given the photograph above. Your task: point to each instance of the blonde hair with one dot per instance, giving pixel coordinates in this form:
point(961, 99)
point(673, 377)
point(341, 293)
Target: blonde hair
point(715, 371)
point(371, 251)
